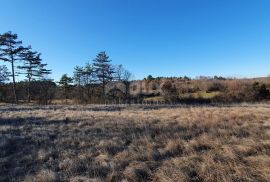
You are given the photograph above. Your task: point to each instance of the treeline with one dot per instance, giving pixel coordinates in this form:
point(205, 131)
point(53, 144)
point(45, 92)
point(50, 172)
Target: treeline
point(87, 85)
point(101, 82)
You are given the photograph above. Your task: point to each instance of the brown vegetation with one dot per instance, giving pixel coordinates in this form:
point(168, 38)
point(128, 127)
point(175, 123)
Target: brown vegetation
point(102, 143)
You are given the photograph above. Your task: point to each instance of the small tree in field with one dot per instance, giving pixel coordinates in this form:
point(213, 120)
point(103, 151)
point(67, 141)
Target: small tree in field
point(65, 85)
point(10, 49)
point(103, 70)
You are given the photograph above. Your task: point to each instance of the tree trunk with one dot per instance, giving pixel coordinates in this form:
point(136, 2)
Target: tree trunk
point(28, 90)
point(103, 91)
point(13, 81)
point(127, 94)
point(66, 97)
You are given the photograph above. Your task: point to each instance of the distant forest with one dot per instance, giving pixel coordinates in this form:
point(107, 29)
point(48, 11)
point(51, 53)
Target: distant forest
point(101, 82)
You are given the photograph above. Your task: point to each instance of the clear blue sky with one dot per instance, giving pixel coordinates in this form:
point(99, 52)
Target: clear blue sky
point(158, 37)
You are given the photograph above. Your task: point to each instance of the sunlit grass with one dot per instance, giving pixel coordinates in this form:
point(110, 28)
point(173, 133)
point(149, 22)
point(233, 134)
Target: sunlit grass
point(113, 143)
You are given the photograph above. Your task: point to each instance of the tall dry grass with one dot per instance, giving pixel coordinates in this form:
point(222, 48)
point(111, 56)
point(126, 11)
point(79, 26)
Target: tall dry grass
point(97, 143)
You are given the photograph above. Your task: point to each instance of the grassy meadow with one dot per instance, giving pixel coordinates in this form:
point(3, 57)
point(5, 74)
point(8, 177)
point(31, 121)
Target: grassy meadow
point(135, 143)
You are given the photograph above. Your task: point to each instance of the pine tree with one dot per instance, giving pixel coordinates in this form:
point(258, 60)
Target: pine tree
point(77, 75)
point(44, 83)
point(43, 72)
point(103, 70)
point(65, 85)
point(4, 74)
point(32, 62)
point(88, 75)
point(10, 49)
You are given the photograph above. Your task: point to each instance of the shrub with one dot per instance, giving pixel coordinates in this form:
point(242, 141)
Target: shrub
point(216, 86)
point(169, 92)
point(260, 91)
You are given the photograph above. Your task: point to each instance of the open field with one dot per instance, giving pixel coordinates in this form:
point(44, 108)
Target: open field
point(136, 143)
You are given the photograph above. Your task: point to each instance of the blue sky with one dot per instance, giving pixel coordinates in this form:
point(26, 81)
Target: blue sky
point(157, 37)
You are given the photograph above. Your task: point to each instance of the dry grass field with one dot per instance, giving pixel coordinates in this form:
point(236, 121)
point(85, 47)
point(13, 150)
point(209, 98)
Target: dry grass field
point(112, 143)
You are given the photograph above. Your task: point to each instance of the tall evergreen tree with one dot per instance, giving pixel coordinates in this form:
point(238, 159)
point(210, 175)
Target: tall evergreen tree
point(103, 70)
point(10, 49)
point(32, 62)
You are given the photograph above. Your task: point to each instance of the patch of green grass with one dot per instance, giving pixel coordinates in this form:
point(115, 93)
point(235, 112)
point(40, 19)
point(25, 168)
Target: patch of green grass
point(201, 94)
point(196, 95)
point(154, 99)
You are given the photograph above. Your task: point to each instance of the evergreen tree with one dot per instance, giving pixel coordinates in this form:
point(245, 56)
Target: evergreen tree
point(78, 75)
point(43, 72)
point(4, 74)
point(88, 78)
point(88, 74)
point(30, 67)
point(103, 70)
point(45, 86)
point(84, 77)
point(10, 49)
point(65, 85)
